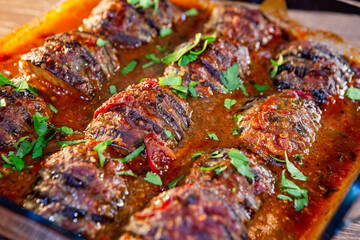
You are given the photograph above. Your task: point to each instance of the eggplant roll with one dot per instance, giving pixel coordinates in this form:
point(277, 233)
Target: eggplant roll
point(313, 67)
point(283, 122)
point(215, 203)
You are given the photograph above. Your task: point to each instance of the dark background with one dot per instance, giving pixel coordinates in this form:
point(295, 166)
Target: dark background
point(319, 5)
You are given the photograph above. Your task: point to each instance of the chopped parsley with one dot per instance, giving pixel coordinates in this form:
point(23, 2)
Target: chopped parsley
point(173, 183)
point(212, 136)
point(284, 197)
point(228, 103)
point(220, 170)
point(165, 31)
point(19, 84)
point(2, 102)
point(300, 194)
point(100, 148)
point(261, 87)
point(154, 58)
point(69, 143)
point(132, 155)
point(153, 178)
point(191, 12)
point(353, 93)
point(231, 79)
point(179, 54)
point(129, 68)
point(145, 4)
point(168, 134)
point(216, 154)
point(112, 89)
point(276, 65)
point(52, 108)
point(240, 162)
point(130, 173)
point(198, 154)
point(277, 159)
point(233, 190)
point(192, 89)
point(294, 172)
point(174, 81)
point(163, 48)
point(13, 161)
point(238, 118)
point(100, 42)
point(209, 168)
point(235, 132)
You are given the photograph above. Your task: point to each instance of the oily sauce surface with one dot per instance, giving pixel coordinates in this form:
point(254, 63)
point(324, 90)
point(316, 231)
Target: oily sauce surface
point(330, 167)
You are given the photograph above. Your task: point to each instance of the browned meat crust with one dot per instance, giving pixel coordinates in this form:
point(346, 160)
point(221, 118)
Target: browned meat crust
point(126, 26)
point(130, 115)
point(206, 69)
point(16, 118)
point(246, 26)
point(315, 68)
point(282, 122)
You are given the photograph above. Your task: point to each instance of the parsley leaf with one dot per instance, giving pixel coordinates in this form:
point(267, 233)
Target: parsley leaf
point(276, 65)
point(52, 108)
point(13, 162)
point(216, 154)
point(191, 12)
point(231, 79)
point(220, 170)
point(19, 84)
point(41, 124)
point(209, 168)
point(228, 103)
point(277, 159)
point(235, 132)
point(353, 93)
point(162, 49)
point(284, 197)
point(212, 136)
point(112, 89)
point(173, 183)
point(20, 141)
point(197, 154)
point(165, 31)
point(69, 143)
point(261, 87)
point(177, 54)
point(300, 194)
point(145, 4)
point(25, 148)
point(100, 42)
point(154, 58)
point(238, 118)
point(240, 162)
point(4, 80)
point(153, 178)
point(168, 134)
point(192, 89)
point(185, 59)
point(132, 155)
point(129, 68)
point(182, 91)
point(130, 173)
point(172, 80)
point(294, 172)
point(100, 148)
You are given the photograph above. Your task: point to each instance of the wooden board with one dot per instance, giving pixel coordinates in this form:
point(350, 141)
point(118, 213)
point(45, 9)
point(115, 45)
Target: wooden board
point(14, 13)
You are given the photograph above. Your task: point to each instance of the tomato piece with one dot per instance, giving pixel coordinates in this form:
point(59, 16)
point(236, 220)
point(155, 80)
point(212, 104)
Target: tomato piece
point(159, 156)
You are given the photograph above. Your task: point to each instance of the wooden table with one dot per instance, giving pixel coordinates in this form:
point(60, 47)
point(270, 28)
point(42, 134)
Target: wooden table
point(14, 13)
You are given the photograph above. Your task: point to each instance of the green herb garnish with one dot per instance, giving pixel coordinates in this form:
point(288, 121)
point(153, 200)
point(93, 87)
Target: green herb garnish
point(154, 58)
point(173, 183)
point(284, 197)
point(238, 118)
point(13, 162)
point(153, 178)
point(130, 173)
point(168, 134)
point(69, 143)
point(212, 136)
point(100, 42)
point(192, 89)
point(191, 12)
point(240, 162)
point(162, 49)
point(276, 65)
point(353, 93)
point(231, 79)
point(294, 172)
point(132, 155)
point(112, 89)
point(261, 87)
point(228, 103)
point(197, 154)
point(19, 84)
point(52, 108)
point(165, 31)
point(216, 154)
point(129, 68)
point(300, 194)
point(145, 4)
point(172, 80)
point(100, 148)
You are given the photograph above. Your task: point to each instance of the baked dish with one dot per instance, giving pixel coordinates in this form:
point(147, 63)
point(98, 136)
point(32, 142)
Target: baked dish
point(181, 120)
